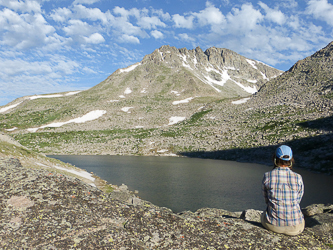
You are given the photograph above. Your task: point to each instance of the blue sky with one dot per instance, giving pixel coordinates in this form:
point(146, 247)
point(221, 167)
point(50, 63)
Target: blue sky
point(49, 46)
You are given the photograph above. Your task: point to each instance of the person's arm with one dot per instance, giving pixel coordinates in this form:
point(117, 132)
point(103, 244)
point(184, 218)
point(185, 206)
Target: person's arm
point(300, 190)
point(264, 189)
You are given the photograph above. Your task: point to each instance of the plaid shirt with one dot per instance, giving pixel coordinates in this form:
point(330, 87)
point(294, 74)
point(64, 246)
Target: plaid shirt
point(283, 190)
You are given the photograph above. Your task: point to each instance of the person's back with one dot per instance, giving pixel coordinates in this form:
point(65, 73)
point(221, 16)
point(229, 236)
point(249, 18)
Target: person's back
point(283, 190)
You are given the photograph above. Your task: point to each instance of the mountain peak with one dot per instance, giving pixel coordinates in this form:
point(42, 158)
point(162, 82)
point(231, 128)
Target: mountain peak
point(321, 57)
point(306, 81)
point(223, 69)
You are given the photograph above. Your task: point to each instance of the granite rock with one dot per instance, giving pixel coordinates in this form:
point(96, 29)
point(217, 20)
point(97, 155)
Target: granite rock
point(62, 212)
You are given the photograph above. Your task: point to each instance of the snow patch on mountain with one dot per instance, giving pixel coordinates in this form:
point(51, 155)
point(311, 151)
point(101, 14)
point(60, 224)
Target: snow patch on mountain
point(130, 68)
point(252, 63)
point(175, 119)
point(183, 57)
point(11, 129)
point(92, 115)
point(52, 96)
point(127, 91)
point(175, 92)
point(161, 53)
point(187, 66)
point(187, 100)
point(162, 151)
point(248, 89)
point(82, 173)
point(264, 76)
point(72, 93)
point(244, 100)
point(224, 75)
point(126, 109)
point(195, 61)
point(2, 110)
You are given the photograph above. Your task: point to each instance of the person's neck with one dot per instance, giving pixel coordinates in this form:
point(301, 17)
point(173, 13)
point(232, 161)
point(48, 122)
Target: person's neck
point(284, 166)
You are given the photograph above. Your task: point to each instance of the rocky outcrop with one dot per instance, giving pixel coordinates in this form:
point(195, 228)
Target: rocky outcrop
point(45, 210)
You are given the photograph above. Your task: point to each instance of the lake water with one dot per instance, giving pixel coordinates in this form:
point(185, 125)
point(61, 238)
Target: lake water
point(189, 184)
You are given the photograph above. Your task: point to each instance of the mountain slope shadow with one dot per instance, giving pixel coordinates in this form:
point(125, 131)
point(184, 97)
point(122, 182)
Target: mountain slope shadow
point(315, 153)
point(322, 124)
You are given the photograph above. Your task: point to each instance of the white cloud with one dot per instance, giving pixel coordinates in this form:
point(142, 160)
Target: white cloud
point(61, 14)
point(94, 14)
point(150, 22)
point(127, 28)
point(157, 34)
point(77, 28)
point(23, 6)
point(273, 15)
point(185, 37)
point(85, 1)
point(11, 68)
point(64, 65)
point(289, 4)
point(21, 77)
point(210, 16)
point(321, 10)
point(83, 33)
point(127, 13)
point(160, 13)
point(294, 22)
point(95, 38)
point(23, 31)
point(129, 39)
point(243, 20)
point(183, 22)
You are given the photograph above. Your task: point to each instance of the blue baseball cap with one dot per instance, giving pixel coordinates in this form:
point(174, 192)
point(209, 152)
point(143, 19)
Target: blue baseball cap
point(284, 153)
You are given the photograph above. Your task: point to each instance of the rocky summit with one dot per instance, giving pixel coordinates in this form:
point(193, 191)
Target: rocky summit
point(43, 209)
point(210, 104)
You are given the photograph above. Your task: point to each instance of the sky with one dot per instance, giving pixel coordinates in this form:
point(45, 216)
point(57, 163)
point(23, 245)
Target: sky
point(51, 46)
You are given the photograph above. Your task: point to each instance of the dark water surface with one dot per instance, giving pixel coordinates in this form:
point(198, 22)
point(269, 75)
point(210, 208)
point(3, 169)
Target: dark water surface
point(189, 183)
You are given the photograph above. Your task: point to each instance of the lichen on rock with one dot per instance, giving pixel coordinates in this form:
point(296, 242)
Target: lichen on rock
point(62, 212)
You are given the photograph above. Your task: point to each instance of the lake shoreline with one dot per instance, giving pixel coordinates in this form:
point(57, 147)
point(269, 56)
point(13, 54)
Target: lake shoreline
point(44, 209)
point(213, 156)
point(189, 184)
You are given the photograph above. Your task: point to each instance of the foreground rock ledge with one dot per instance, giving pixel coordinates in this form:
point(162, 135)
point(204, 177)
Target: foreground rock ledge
point(45, 210)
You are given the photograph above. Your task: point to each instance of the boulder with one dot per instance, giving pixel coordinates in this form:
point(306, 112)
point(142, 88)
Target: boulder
point(251, 215)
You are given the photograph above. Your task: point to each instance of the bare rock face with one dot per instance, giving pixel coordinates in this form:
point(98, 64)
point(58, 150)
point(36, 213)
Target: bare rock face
point(20, 202)
point(305, 81)
point(61, 212)
point(251, 215)
point(317, 209)
point(215, 67)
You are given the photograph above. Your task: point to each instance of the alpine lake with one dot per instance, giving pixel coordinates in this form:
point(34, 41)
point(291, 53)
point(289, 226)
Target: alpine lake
point(190, 183)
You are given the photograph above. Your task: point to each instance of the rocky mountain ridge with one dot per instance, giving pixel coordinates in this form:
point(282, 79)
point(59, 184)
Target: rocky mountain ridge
point(173, 103)
point(216, 67)
point(151, 90)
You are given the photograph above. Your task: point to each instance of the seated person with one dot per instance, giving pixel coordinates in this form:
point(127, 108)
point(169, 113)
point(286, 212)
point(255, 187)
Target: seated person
point(283, 190)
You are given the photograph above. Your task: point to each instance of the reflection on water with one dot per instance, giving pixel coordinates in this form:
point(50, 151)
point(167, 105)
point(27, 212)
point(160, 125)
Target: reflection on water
point(189, 184)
